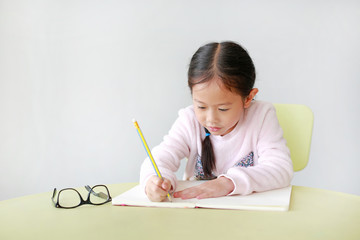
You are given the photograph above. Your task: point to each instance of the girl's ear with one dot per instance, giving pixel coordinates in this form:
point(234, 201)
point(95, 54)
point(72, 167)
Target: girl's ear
point(250, 97)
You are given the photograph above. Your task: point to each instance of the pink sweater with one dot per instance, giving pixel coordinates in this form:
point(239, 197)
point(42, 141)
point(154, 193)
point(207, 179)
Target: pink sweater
point(253, 155)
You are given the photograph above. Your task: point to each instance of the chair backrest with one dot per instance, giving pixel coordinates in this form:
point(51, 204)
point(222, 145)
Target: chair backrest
point(297, 123)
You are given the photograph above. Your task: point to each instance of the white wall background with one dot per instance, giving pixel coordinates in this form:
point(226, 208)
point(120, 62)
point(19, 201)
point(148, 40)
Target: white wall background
point(74, 73)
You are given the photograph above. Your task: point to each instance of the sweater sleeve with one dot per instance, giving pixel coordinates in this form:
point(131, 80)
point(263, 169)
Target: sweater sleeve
point(171, 151)
point(274, 168)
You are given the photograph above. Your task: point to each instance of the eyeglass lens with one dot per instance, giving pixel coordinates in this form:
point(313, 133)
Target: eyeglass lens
point(69, 198)
point(99, 195)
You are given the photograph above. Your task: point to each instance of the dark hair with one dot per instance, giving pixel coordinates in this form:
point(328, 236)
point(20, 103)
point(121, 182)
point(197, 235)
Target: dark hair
point(233, 65)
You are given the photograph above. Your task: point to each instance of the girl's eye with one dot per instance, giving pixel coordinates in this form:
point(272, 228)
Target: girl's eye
point(201, 107)
point(223, 110)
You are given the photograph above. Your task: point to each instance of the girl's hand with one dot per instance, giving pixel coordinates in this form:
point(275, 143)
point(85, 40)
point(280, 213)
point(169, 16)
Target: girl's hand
point(219, 187)
point(157, 189)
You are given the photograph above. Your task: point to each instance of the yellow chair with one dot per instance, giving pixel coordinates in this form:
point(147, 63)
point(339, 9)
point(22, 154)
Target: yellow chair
point(297, 123)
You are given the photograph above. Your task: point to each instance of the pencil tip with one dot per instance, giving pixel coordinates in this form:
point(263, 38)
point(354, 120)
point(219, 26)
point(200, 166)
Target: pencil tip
point(133, 120)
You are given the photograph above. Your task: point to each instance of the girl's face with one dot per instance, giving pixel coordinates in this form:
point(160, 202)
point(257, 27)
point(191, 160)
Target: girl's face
point(217, 108)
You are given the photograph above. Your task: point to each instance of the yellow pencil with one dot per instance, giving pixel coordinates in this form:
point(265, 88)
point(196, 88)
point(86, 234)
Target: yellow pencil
point(149, 153)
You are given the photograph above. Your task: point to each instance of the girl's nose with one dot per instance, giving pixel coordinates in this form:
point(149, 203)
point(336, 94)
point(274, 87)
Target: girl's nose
point(211, 117)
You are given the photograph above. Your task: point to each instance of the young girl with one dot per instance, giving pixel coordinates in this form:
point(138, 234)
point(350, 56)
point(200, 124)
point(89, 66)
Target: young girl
point(228, 138)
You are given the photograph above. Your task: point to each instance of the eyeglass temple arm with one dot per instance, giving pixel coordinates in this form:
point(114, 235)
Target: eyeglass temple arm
point(53, 197)
point(100, 194)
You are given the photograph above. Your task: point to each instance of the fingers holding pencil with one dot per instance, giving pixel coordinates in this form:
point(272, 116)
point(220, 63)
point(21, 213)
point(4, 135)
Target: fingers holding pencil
point(157, 189)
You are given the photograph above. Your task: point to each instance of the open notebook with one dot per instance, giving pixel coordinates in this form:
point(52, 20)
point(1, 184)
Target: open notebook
point(274, 200)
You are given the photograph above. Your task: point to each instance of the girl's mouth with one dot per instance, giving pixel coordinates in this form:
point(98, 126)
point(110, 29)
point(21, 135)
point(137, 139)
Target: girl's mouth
point(214, 129)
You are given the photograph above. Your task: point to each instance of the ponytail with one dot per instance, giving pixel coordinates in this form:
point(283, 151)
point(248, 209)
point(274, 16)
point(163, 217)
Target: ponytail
point(207, 156)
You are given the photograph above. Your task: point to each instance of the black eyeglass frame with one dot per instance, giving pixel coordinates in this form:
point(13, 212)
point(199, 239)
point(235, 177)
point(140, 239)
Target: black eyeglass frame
point(82, 202)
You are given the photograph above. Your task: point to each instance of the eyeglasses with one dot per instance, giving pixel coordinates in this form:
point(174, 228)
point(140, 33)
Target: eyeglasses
point(71, 198)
